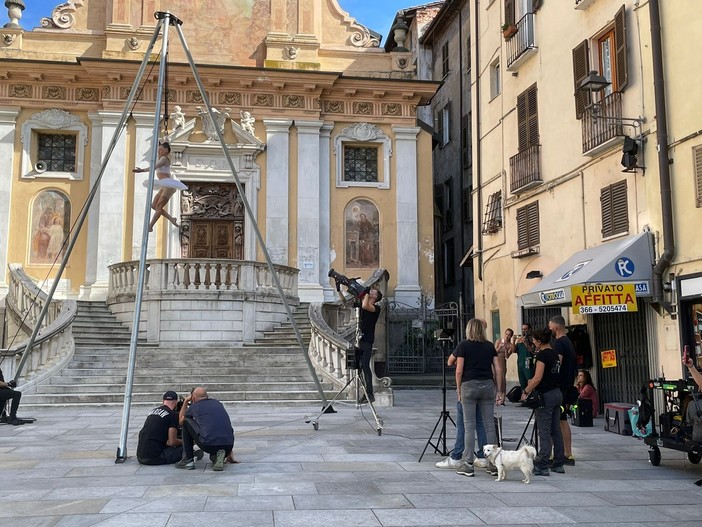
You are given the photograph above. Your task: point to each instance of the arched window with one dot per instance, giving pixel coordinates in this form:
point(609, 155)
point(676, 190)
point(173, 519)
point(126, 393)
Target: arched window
point(49, 226)
point(362, 234)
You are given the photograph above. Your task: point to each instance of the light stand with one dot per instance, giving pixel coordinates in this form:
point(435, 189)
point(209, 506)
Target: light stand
point(445, 336)
point(534, 438)
point(356, 377)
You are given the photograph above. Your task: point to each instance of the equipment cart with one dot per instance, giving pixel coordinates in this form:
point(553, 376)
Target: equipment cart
point(675, 427)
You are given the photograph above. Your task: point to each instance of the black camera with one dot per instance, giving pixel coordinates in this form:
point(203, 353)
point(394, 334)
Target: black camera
point(351, 284)
point(12, 383)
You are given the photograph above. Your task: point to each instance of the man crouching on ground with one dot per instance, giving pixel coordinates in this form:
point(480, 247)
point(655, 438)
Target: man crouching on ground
point(205, 423)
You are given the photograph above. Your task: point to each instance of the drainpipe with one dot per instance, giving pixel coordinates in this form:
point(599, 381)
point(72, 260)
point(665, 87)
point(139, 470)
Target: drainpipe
point(478, 157)
point(663, 158)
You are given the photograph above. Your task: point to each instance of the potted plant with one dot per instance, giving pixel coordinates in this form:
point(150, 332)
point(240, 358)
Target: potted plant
point(508, 30)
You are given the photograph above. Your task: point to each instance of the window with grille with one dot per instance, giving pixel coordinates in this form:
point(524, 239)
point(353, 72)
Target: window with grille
point(697, 158)
point(528, 118)
point(58, 151)
point(615, 210)
point(528, 226)
point(493, 213)
point(445, 59)
point(361, 164)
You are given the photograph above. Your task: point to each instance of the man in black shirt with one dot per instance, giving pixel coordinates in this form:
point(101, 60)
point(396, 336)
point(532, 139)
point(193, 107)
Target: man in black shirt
point(566, 353)
point(370, 312)
point(6, 394)
point(158, 438)
point(205, 423)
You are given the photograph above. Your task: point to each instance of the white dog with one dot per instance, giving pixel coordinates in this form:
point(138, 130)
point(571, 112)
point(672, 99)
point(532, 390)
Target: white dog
point(523, 459)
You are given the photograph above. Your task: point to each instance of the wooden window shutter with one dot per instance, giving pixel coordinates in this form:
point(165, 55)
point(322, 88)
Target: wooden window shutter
point(522, 116)
point(615, 209)
point(532, 116)
point(528, 226)
point(620, 43)
point(533, 219)
point(510, 13)
point(606, 205)
point(697, 157)
point(581, 69)
point(522, 229)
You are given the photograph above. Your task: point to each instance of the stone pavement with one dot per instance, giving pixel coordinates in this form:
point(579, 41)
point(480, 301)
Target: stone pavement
point(60, 471)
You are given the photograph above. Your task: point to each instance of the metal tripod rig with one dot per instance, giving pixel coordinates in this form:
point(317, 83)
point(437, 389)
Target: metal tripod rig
point(355, 377)
point(165, 21)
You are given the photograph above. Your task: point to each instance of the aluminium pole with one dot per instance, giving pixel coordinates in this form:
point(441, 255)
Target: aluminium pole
point(86, 207)
point(165, 19)
point(249, 211)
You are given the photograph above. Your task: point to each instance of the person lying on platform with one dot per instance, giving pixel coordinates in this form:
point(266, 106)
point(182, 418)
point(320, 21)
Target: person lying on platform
point(7, 393)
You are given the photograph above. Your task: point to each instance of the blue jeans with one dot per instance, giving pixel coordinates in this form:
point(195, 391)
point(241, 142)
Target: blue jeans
point(460, 445)
point(477, 394)
point(548, 424)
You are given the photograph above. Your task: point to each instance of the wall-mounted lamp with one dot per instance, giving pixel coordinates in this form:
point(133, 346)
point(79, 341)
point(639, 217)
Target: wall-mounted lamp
point(596, 83)
point(534, 274)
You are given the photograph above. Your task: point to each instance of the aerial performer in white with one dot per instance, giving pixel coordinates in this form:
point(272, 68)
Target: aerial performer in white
point(166, 183)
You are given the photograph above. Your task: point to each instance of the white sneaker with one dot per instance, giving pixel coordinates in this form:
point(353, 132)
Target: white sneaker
point(449, 462)
point(479, 462)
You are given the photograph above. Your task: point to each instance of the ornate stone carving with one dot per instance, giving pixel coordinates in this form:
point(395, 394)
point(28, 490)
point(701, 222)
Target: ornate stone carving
point(391, 109)
point(362, 38)
point(178, 118)
point(21, 91)
point(193, 96)
point(53, 92)
point(208, 126)
point(87, 94)
point(333, 106)
point(263, 99)
point(8, 39)
point(362, 132)
point(55, 118)
point(124, 93)
point(230, 97)
point(363, 108)
point(63, 16)
point(14, 12)
point(291, 52)
point(247, 122)
point(133, 43)
point(293, 101)
point(105, 92)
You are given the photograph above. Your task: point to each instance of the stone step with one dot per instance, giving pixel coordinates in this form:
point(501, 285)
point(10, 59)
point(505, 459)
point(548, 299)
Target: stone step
point(297, 385)
point(263, 404)
point(196, 372)
point(185, 381)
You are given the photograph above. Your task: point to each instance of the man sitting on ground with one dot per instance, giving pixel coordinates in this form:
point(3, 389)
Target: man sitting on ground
point(205, 423)
point(6, 394)
point(158, 438)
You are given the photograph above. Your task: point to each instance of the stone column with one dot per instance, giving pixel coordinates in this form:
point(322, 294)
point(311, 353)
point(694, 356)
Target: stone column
point(277, 188)
point(325, 211)
point(106, 216)
point(407, 290)
point(142, 158)
point(308, 209)
point(8, 119)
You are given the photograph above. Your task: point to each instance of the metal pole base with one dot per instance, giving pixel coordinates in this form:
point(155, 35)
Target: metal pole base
point(441, 440)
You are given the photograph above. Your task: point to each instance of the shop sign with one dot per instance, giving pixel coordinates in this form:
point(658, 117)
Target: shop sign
point(555, 295)
point(589, 299)
point(609, 358)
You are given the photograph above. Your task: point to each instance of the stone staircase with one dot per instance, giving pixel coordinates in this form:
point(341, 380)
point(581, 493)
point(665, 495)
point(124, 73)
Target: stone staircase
point(272, 371)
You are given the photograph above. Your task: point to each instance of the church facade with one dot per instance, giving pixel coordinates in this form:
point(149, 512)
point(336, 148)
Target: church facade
point(320, 121)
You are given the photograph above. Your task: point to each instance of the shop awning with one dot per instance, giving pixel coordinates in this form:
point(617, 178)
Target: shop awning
point(628, 260)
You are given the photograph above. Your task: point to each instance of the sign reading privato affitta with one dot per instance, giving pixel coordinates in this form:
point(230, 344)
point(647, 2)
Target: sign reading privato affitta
point(603, 298)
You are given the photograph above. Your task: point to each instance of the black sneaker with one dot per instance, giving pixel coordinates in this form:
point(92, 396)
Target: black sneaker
point(466, 470)
point(558, 469)
point(187, 464)
point(570, 461)
point(491, 469)
point(14, 421)
point(540, 472)
point(199, 454)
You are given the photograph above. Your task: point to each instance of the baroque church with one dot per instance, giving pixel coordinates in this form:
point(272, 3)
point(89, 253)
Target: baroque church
point(319, 119)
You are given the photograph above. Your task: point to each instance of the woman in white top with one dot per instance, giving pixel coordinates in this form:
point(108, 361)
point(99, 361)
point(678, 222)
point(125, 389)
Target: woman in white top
point(167, 184)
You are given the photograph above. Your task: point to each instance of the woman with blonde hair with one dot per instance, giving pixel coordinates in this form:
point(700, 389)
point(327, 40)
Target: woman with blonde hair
point(477, 368)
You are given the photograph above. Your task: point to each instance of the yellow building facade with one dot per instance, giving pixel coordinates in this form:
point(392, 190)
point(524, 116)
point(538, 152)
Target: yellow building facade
point(576, 100)
point(320, 122)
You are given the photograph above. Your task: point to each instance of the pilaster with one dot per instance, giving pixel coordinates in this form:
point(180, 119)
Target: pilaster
point(277, 188)
point(8, 123)
point(325, 210)
point(142, 158)
point(407, 290)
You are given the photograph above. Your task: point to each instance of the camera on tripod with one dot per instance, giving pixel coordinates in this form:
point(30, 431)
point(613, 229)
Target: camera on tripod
point(351, 284)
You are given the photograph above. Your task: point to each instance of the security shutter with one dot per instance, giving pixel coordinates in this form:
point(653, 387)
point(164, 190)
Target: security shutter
point(697, 158)
point(528, 118)
point(528, 226)
point(615, 210)
point(581, 68)
point(510, 14)
point(620, 42)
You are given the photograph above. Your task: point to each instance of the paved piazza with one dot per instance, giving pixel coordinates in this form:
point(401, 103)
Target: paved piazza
point(60, 471)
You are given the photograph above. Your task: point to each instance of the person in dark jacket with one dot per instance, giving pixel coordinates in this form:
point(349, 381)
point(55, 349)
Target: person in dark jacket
point(8, 393)
point(205, 423)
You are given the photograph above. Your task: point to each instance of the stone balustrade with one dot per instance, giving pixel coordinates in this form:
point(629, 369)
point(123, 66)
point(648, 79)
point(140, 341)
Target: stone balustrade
point(54, 345)
point(200, 301)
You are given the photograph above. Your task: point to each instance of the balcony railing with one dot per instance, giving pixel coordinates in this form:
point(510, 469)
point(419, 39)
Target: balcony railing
point(525, 171)
point(522, 42)
point(599, 121)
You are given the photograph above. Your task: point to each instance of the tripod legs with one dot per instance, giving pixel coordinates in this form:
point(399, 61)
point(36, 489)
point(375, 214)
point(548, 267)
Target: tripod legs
point(440, 446)
point(534, 438)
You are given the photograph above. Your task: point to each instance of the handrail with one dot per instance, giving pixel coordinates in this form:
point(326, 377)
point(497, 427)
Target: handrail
point(54, 344)
point(331, 348)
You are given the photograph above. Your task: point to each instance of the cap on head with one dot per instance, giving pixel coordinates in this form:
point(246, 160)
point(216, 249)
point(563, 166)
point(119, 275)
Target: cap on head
point(170, 395)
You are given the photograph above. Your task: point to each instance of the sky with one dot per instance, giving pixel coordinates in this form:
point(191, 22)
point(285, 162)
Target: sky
point(374, 14)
